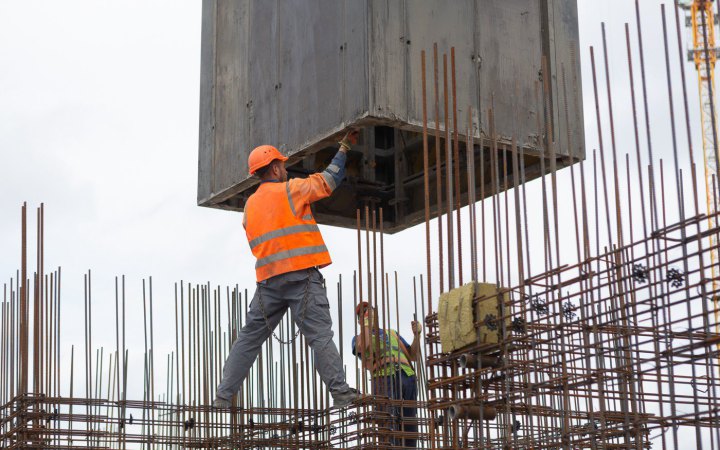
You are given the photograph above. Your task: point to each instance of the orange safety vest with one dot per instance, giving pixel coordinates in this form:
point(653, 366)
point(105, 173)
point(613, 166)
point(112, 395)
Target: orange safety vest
point(281, 229)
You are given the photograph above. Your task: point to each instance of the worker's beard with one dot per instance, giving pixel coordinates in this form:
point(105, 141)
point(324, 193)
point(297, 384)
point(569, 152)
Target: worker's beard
point(368, 322)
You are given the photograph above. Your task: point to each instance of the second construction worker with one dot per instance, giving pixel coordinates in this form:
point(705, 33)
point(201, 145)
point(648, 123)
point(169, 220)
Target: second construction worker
point(289, 248)
point(389, 359)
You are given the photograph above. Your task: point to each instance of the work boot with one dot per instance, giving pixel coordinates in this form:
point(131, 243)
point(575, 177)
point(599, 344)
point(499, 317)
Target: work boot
point(221, 403)
point(346, 398)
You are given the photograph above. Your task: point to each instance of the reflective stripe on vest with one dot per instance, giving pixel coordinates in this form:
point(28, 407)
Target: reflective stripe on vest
point(289, 254)
point(287, 231)
point(393, 353)
point(281, 230)
point(290, 200)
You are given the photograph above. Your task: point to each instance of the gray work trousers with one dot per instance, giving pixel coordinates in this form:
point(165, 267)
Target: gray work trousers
point(278, 294)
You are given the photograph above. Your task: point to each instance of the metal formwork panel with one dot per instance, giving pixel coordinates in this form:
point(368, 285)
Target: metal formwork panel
point(297, 74)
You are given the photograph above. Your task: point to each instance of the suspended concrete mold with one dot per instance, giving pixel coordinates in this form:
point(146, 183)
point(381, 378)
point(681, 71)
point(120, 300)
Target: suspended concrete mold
point(300, 74)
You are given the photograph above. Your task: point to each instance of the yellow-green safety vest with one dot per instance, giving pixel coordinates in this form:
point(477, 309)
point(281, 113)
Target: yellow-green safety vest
point(392, 352)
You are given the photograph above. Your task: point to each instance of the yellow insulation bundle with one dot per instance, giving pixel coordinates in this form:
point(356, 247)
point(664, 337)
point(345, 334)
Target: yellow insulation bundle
point(457, 319)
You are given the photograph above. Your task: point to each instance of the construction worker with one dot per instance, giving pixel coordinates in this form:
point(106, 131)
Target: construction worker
point(389, 359)
point(286, 241)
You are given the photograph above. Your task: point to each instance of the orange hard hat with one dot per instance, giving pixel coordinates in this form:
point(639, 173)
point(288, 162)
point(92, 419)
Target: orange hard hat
point(262, 156)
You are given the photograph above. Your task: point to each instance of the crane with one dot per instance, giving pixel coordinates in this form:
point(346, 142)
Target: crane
point(702, 20)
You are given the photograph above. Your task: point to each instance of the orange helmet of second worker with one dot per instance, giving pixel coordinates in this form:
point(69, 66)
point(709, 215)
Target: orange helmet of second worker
point(262, 156)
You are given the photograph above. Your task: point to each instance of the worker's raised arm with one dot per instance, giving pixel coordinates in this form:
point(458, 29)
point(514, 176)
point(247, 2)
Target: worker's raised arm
point(320, 185)
point(414, 349)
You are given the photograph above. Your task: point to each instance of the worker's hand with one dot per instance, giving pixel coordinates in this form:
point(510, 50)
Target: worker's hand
point(352, 136)
point(350, 139)
point(416, 327)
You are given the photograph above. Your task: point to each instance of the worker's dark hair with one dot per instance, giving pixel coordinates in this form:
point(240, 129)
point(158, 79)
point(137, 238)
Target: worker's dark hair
point(261, 172)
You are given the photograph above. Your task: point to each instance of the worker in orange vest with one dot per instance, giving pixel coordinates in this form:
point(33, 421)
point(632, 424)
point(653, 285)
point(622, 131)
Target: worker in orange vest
point(289, 248)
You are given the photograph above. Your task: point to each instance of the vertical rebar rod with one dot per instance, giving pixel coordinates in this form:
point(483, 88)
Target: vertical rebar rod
point(449, 180)
point(438, 172)
point(456, 167)
point(426, 173)
point(470, 155)
point(646, 109)
point(23, 305)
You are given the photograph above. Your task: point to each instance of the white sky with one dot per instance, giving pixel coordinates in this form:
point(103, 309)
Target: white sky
point(99, 120)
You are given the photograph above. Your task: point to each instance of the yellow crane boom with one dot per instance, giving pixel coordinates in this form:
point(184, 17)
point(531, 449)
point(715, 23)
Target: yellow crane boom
point(704, 54)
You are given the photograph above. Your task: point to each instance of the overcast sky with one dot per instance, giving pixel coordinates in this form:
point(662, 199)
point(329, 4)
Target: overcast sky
point(99, 120)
